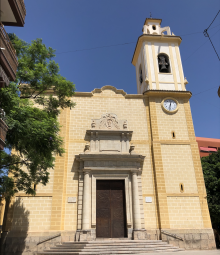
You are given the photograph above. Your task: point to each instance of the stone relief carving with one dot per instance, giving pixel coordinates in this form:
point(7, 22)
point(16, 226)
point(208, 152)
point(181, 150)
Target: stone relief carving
point(109, 121)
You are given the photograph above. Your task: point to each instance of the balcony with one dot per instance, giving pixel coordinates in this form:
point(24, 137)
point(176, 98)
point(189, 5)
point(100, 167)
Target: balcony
point(13, 12)
point(3, 130)
point(4, 81)
point(8, 58)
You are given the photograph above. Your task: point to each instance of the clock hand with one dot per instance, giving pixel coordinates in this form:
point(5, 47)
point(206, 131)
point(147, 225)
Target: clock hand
point(170, 106)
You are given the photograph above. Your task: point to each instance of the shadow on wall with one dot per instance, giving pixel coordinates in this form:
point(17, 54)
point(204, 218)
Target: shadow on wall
point(17, 224)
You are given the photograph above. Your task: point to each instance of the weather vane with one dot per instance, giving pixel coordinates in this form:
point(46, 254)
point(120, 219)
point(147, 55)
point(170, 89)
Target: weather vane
point(150, 15)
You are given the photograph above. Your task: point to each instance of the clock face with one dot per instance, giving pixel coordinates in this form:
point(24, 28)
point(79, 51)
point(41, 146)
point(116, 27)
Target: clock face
point(170, 105)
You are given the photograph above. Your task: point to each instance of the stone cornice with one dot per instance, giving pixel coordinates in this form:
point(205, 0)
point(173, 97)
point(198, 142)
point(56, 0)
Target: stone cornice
point(110, 157)
point(108, 132)
point(168, 93)
point(110, 162)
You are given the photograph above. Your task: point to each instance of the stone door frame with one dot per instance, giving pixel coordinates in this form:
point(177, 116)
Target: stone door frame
point(128, 195)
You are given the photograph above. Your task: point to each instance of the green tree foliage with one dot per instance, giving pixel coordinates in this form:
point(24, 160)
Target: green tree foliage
point(33, 132)
point(211, 171)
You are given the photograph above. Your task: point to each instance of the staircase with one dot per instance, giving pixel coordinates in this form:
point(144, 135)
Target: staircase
point(110, 247)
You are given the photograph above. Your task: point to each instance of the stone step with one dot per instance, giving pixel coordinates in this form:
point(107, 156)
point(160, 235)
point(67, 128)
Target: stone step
point(115, 241)
point(115, 249)
point(107, 248)
point(103, 248)
point(110, 247)
point(107, 252)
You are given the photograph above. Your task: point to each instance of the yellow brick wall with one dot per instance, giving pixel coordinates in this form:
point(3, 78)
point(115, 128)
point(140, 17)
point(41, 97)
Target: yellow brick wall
point(150, 214)
point(171, 122)
point(147, 174)
point(88, 108)
point(72, 185)
point(173, 163)
point(49, 187)
point(178, 168)
point(185, 212)
point(32, 214)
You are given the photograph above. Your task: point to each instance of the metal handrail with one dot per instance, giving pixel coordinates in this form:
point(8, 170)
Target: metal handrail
point(171, 234)
point(48, 239)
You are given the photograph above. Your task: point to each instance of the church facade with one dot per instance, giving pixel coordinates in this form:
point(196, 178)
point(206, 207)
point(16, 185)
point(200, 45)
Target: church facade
point(132, 166)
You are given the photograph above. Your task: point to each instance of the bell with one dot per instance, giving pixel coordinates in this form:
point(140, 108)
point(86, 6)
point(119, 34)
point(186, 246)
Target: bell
point(163, 63)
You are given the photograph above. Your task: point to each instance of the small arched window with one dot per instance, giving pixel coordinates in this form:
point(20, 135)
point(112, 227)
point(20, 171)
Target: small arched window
point(154, 27)
point(163, 63)
point(140, 75)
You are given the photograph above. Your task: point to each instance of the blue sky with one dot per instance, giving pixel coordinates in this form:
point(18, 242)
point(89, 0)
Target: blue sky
point(71, 25)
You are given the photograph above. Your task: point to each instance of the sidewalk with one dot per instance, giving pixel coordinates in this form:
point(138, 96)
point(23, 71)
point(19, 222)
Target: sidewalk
point(188, 252)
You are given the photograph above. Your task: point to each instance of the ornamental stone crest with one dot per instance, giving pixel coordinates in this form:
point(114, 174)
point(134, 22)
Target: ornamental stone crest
point(109, 121)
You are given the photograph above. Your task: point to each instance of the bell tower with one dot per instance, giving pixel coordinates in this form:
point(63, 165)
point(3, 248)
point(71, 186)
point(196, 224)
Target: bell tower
point(157, 59)
point(180, 192)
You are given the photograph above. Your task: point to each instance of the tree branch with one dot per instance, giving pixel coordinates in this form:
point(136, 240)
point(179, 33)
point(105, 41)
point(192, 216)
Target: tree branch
point(31, 96)
point(15, 163)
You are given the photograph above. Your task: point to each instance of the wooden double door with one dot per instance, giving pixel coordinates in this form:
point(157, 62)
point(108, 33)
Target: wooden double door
point(110, 209)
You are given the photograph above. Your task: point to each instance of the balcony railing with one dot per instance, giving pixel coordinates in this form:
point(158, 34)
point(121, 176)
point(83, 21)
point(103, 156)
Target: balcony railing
point(3, 130)
point(8, 58)
point(22, 8)
point(4, 81)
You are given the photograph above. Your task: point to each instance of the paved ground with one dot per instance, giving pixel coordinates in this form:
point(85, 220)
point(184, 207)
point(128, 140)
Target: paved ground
point(199, 252)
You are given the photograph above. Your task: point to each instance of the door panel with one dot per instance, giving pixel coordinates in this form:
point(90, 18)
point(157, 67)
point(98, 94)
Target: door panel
point(103, 212)
point(110, 209)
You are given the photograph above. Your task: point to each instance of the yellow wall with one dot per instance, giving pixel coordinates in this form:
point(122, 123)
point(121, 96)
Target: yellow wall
point(32, 214)
point(171, 122)
point(185, 213)
point(178, 168)
point(168, 162)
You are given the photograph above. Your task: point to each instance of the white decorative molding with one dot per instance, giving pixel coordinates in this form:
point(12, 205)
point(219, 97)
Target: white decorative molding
point(109, 121)
point(99, 161)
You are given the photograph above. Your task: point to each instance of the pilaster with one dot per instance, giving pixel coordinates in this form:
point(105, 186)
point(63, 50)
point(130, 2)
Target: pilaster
point(86, 204)
point(58, 201)
point(197, 167)
point(135, 202)
point(158, 170)
point(155, 66)
point(173, 67)
point(148, 65)
point(180, 67)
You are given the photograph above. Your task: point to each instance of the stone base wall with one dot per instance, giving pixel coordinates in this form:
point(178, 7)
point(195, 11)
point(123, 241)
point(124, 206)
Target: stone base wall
point(32, 242)
point(192, 239)
point(85, 235)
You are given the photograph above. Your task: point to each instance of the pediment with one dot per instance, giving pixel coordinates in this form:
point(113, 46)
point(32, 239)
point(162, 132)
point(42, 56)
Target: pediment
point(111, 89)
